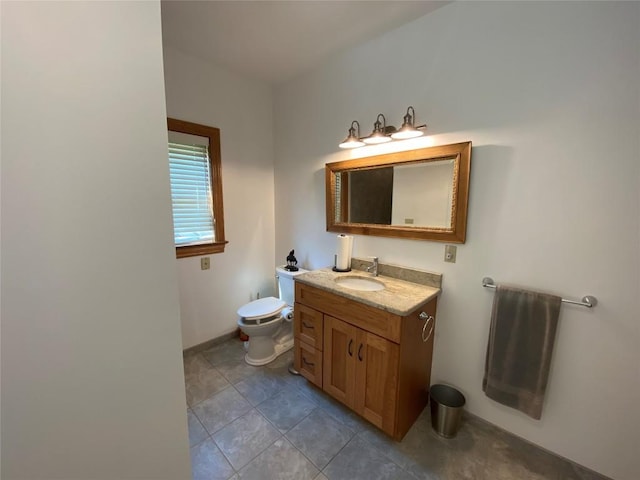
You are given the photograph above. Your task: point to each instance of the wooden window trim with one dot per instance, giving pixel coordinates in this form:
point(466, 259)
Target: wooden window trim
point(215, 165)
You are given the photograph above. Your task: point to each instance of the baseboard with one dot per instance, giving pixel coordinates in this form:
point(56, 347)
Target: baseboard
point(201, 347)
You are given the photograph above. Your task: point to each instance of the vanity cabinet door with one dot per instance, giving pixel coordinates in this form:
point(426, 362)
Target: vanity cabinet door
point(360, 369)
point(339, 360)
point(376, 380)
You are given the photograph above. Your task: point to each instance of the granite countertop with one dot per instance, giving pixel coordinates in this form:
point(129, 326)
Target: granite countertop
point(399, 297)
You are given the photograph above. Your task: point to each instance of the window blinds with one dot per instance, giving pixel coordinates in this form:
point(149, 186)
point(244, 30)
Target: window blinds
point(191, 194)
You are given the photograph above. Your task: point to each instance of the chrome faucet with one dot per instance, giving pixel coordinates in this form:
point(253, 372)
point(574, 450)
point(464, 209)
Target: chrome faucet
point(373, 268)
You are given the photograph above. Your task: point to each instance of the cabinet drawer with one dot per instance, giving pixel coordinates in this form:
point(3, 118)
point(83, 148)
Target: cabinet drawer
point(374, 320)
point(308, 361)
point(307, 325)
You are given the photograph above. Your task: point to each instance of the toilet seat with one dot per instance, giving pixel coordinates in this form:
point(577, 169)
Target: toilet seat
point(261, 310)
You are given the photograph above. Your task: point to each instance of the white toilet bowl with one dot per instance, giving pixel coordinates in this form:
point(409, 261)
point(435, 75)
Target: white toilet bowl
point(268, 322)
point(261, 320)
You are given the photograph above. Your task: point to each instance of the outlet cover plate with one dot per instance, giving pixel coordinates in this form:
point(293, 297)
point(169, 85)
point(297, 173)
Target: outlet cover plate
point(205, 263)
point(450, 253)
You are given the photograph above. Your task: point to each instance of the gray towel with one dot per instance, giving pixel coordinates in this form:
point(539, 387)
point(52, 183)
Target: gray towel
point(523, 328)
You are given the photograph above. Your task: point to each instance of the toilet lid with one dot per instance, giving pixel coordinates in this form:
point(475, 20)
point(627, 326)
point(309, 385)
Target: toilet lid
point(262, 308)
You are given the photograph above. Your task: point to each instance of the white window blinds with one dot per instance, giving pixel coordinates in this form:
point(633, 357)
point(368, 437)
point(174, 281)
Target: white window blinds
point(191, 194)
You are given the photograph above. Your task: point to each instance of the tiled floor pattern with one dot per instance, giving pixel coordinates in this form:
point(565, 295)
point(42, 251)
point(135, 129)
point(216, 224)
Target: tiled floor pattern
point(263, 423)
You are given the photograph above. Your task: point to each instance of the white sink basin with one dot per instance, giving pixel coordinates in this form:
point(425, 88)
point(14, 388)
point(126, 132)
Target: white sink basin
point(362, 284)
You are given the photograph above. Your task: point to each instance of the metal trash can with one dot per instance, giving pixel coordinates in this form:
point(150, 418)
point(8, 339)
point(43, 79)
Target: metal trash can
point(446, 409)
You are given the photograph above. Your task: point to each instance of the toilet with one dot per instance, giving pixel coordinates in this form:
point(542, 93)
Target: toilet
point(267, 321)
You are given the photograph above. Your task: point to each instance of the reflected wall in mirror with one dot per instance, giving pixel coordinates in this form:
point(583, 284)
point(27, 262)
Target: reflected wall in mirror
point(420, 194)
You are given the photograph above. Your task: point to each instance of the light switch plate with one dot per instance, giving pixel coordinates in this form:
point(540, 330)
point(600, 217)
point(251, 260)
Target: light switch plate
point(205, 263)
point(450, 253)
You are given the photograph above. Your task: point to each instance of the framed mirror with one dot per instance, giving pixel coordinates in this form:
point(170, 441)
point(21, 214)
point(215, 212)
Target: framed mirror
point(420, 194)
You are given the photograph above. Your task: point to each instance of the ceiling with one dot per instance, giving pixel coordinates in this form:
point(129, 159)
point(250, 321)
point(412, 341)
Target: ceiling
point(276, 40)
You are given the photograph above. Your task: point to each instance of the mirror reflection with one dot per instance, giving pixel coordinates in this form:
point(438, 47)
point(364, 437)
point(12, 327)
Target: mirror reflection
point(398, 195)
point(418, 194)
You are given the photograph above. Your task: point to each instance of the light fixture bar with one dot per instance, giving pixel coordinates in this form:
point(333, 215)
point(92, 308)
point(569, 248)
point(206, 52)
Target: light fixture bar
point(383, 133)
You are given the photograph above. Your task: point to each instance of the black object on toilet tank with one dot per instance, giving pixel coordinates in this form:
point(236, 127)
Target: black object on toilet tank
point(291, 262)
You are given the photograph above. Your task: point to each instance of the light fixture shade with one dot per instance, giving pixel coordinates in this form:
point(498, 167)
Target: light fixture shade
point(379, 133)
point(376, 138)
point(351, 142)
point(353, 139)
point(404, 134)
point(408, 129)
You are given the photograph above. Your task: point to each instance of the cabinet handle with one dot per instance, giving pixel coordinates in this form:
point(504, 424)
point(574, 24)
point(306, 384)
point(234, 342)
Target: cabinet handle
point(359, 352)
point(349, 349)
point(429, 319)
point(306, 362)
point(306, 325)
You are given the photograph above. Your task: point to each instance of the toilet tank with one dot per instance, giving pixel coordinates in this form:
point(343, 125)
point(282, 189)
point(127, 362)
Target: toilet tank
point(286, 285)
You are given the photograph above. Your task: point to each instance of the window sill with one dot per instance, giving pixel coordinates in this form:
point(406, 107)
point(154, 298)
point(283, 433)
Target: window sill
point(196, 250)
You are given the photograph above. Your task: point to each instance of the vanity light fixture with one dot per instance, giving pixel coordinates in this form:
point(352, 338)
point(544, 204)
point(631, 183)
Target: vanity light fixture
point(353, 139)
point(408, 129)
point(380, 133)
point(383, 133)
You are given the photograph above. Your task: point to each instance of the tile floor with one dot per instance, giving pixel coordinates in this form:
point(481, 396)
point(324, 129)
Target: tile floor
point(263, 423)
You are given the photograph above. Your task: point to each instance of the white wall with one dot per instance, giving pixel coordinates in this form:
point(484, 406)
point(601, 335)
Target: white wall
point(91, 359)
point(242, 109)
point(548, 93)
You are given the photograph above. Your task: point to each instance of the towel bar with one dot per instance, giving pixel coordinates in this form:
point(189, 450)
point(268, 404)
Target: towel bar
point(588, 301)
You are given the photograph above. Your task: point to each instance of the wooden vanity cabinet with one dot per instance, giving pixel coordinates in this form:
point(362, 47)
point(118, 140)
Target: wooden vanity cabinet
point(373, 361)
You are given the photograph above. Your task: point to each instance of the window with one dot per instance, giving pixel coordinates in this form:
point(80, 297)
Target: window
point(196, 188)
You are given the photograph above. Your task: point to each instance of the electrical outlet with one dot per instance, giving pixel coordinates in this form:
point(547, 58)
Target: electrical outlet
point(205, 263)
point(450, 253)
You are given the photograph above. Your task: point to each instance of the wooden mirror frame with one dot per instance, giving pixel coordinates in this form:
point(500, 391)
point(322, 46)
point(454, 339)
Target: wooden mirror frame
point(456, 233)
